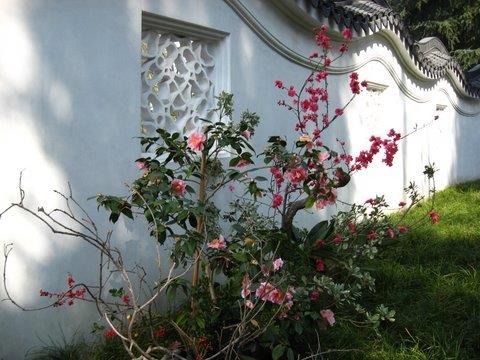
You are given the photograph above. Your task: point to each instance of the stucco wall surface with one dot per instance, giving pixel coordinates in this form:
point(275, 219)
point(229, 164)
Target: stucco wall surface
point(70, 109)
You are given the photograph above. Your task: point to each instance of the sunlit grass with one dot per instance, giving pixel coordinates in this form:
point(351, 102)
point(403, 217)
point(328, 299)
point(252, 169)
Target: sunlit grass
point(431, 278)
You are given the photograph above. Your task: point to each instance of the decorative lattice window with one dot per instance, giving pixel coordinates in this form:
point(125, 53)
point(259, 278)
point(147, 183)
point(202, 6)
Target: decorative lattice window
point(177, 82)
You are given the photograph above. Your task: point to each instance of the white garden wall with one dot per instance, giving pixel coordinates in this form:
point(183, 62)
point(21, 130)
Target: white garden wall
point(70, 99)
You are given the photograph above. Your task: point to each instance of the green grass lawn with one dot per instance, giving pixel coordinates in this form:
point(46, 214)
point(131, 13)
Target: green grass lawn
point(431, 278)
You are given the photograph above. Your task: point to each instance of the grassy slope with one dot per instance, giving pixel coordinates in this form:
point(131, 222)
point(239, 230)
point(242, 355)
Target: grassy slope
point(431, 278)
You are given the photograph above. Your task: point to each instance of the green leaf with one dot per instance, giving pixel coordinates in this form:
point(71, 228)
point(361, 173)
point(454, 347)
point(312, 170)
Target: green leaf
point(192, 219)
point(245, 357)
point(242, 257)
point(278, 352)
point(309, 203)
point(298, 327)
point(234, 161)
point(290, 354)
point(114, 217)
point(317, 232)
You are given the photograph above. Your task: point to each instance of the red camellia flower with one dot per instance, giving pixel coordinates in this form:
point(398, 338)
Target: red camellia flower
point(160, 333)
point(403, 229)
point(279, 84)
point(110, 333)
point(372, 235)
point(178, 187)
point(314, 295)
point(434, 216)
point(338, 112)
point(352, 228)
point(277, 201)
point(126, 299)
point(338, 239)
point(319, 243)
point(320, 265)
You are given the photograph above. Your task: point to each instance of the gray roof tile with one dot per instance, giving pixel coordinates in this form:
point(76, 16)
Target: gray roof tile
point(430, 54)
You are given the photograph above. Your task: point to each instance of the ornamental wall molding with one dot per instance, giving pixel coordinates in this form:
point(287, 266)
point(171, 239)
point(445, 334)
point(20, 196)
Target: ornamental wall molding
point(403, 54)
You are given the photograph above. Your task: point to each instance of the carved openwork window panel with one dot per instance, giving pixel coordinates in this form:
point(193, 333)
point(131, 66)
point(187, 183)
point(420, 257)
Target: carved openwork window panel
point(177, 82)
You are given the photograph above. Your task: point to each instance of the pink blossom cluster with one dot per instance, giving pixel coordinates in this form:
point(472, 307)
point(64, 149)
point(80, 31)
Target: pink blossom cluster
point(66, 297)
point(365, 157)
point(277, 175)
point(355, 84)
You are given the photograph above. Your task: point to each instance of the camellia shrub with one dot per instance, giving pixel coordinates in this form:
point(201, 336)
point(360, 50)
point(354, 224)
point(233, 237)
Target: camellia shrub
point(247, 281)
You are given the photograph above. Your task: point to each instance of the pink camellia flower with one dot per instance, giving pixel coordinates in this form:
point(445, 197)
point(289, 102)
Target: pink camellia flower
point(320, 265)
point(391, 233)
point(321, 203)
point(296, 175)
point(277, 201)
point(323, 156)
point(434, 216)
point(329, 316)
point(403, 229)
point(218, 243)
point(245, 287)
point(277, 264)
point(347, 34)
point(279, 84)
point(243, 163)
point(178, 187)
point(141, 165)
point(249, 304)
point(264, 290)
point(247, 134)
point(196, 140)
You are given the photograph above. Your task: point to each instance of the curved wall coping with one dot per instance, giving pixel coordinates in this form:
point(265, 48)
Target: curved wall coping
point(406, 58)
